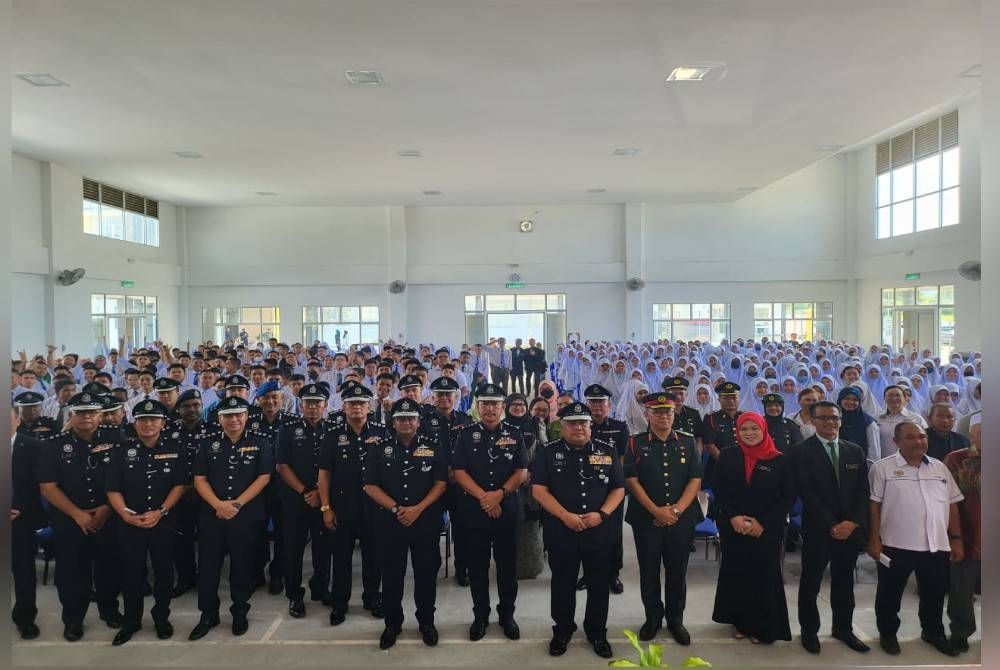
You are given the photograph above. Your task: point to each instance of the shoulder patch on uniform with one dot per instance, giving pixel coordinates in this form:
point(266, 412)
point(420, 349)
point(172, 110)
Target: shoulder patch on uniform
point(683, 432)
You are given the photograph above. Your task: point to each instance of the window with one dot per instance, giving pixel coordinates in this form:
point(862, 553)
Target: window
point(916, 181)
point(114, 316)
point(246, 325)
point(340, 327)
point(118, 215)
point(898, 302)
point(511, 316)
point(806, 320)
point(691, 321)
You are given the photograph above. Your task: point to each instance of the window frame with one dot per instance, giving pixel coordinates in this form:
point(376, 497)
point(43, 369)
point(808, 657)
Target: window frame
point(772, 322)
point(269, 328)
point(149, 319)
point(669, 310)
point(98, 222)
point(946, 344)
point(321, 322)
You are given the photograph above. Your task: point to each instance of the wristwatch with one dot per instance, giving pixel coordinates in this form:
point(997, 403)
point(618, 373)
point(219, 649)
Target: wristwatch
point(604, 515)
point(324, 508)
point(394, 509)
point(164, 511)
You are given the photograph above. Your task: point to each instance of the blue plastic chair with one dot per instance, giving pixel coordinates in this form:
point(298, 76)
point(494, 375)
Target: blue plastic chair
point(707, 531)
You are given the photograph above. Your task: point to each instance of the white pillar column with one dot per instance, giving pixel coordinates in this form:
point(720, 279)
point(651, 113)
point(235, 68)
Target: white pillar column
point(394, 323)
point(636, 327)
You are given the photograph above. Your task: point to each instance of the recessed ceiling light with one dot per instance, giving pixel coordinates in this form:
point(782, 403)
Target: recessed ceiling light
point(432, 192)
point(367, 77)
point(830, 147)
point(975, 71)
point(626, 151)
point(266, 193)
point(410, 153)
point(689, 73)
point(596, 190)
point(41, 80)
point(188, 154)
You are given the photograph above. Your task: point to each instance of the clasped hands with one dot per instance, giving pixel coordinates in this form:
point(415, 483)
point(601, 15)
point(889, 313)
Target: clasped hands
point(490, 503)
point(746, 525)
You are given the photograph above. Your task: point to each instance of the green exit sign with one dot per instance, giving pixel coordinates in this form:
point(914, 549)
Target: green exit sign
point(912, 276)
point(514, 284)
point(128, 284)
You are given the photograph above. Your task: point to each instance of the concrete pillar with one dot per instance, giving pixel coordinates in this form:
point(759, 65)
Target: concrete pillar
point(637, 326)
point(394, 324)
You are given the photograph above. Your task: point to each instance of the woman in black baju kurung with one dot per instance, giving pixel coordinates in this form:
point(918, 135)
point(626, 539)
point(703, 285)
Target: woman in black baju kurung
point(754, 489)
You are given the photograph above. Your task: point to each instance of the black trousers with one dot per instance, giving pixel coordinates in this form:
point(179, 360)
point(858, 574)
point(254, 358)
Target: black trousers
point(23, 546)
point(159, 543)
point(932, 570)
point(82, 560)
point(666, 548)
point(841, 555)
point(425, 555)
point(266, 556)
point(499, 538)
point(565, 565)
point(302, 525)
point(533, 379)
point(342, 545)
point(242, 540)
point(187, 510)
point(517, 380)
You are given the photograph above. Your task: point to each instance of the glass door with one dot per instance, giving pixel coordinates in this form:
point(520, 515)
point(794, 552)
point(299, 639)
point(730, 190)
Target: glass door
point(915, 328)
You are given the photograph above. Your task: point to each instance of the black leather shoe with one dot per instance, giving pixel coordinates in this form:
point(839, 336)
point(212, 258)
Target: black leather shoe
point(164, 630)
point(681, 634)
point(73, 632)
point(180, 590)
point(296, 608)
point(113, 619)
point(941, 644)
point(852, 641)
point(388, 637)
point(616, 586)
point(462, 577)
point(377, 610)
point(478, 629)
point(337, 617)
point(557, 646)
point(889, 644)
point(649, 630)
point(581, 584)
point(601, 648)
point(276, 586)
point(510, 629)
point(30, 631)
point(318, 595)
point(811, 643)
point(124, 635)
point(240, 624)
point(205, 624)
point(960, 644)
point(429, 634)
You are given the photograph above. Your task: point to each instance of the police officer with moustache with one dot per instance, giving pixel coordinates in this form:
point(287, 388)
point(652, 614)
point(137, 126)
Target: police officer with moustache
point(145, 482)
point(345, 510)
point(490, 464)
point(72, 472)
point(191, 430)
point(663, 471)
point(299, 447)
point(579, 483)
point(719, 427)
point(442, 425)
point(230, 472)
point(615, 432)
point(26, 516)
point(686, 419)
point(29, 409)
point(405, 475)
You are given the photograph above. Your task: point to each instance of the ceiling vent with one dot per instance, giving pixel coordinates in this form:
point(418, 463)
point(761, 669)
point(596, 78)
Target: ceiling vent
point(364, 77)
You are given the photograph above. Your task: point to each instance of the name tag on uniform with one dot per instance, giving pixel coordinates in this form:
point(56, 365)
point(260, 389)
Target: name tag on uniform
point(160, 457)
point(244, 450)
point(423, 452)
point(504, 441)
point(764, 468)
point(101, 447)
point(852, 466)
point(371, 440)
point(599, 459)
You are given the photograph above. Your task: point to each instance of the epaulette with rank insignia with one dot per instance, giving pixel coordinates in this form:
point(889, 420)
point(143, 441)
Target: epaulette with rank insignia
point(683, 432)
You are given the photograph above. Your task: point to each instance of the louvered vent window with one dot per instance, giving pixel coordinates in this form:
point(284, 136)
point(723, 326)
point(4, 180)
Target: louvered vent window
point(917, 175)
point(120, 215)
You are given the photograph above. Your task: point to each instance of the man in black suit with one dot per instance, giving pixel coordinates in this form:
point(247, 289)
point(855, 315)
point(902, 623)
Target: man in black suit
point(832, 477)
point(26, 516)
point(517, 361)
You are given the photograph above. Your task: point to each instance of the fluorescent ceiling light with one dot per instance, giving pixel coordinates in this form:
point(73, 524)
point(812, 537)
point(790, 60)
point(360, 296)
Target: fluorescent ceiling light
point(366, 77)
point(41, 80)
point(266, 193)
point(410, 153)
point(626, 151)
point(684, 73)
point(596, 190)
point(188, 154)
point(432, 192)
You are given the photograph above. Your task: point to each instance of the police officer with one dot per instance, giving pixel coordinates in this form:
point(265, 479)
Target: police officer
point(615, 432)
point(236, 386)
point(167, 391)
point(29, 408)
point(784, 432)
point(191, 430)
point(27, 516)
point(719, 427)
point(299, 445)
point(145, 482)
point(405, 475)
point(579, 483)
point(490, 464)
point(230, 472)
point(663, 471)
point(72, 471)
point(686, 419)
point(345, 510)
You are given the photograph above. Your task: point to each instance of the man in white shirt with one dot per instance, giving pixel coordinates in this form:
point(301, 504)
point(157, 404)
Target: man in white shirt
point(914, 527)
point(895, 413)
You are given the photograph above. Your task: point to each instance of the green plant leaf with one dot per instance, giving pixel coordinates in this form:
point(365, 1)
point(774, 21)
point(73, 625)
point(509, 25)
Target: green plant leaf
point(655, 655)
point(696, 662)
point(623, 663)
point(634, 640)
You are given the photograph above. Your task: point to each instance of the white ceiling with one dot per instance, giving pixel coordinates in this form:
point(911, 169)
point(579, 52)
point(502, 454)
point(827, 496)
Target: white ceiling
point(510, 102)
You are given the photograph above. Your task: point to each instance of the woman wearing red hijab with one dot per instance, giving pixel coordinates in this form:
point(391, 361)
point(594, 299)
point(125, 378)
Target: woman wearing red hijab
point(754, 487)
